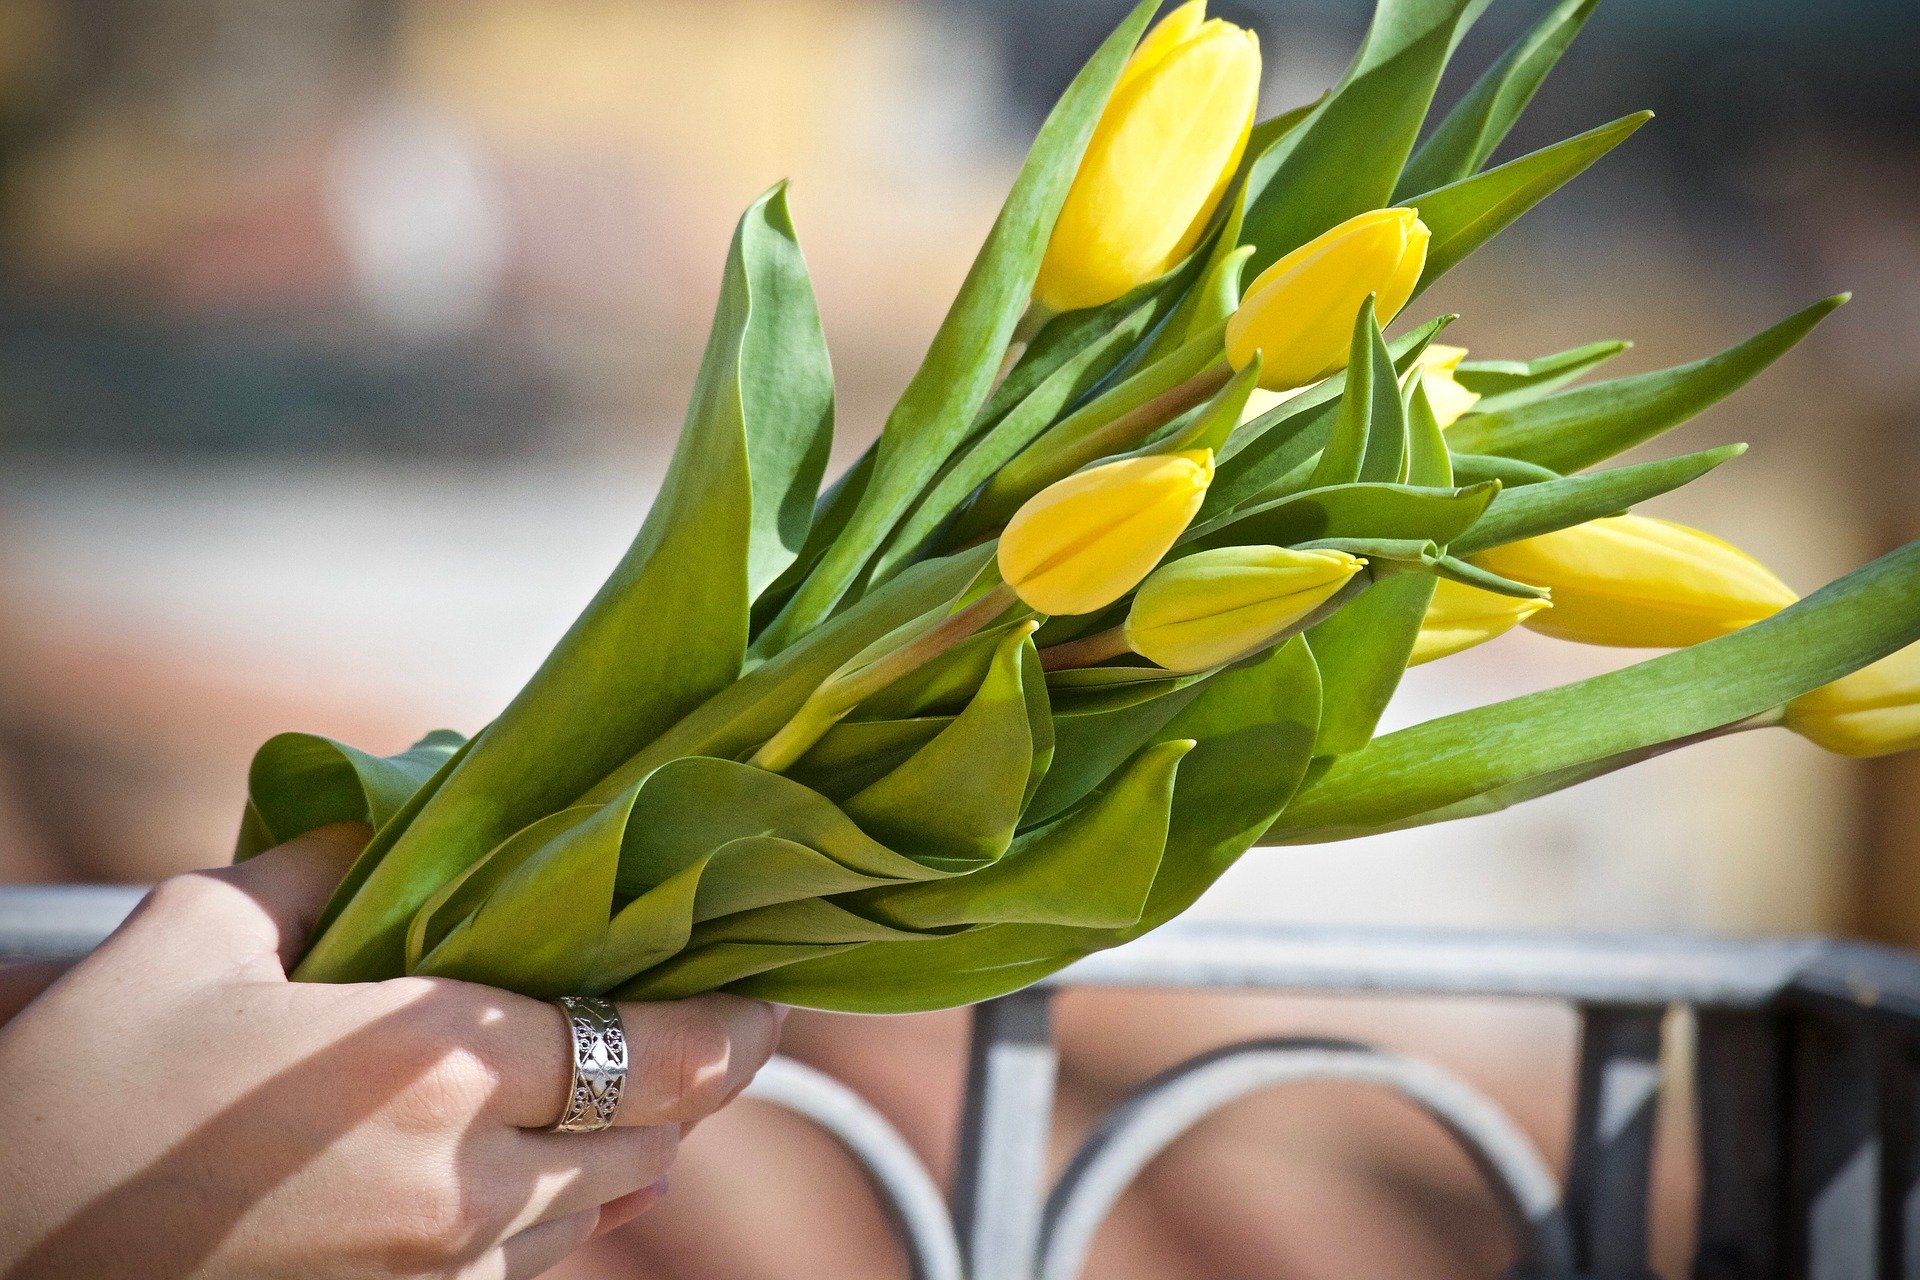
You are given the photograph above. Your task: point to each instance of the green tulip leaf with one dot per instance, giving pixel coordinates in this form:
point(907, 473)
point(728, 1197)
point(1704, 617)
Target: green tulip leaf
point(753, 708)
point(937, 411)
point(1255, 725)
point(724, 964)
point(1065, 337)
point(1254, 736)
point(1540, 508)
point(299, 782)
point(1511, 473)
point(1085, 436)
point(668, 629)
point(1362, 652)
point(1092, 869)
point(1465, 215)
point(917, 807)
point(1429, 461)
point(1472, 575)
point(1469, 134)
point(531, 916)
point(855, 753)
point(1349, 511)
point(1501, 384)
point(1429, 769)
point(1097, 739)
point(1019, 428)
point(693, 808)
point(1574, 429)
point(1121, 835)
point(1345, 157)
point(1273, 456)
point(1356, 439)
point(1214, 423)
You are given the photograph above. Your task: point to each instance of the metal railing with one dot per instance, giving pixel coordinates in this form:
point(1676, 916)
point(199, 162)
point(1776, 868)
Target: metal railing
point(1807, 1092)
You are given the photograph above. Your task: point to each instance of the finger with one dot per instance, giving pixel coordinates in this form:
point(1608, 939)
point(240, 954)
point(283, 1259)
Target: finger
point(570, 1173)
point(290, 884)
point(615, 1214)
point(259, 909)
point(688, 1058)
point(535, 1250)
point(685, 1058)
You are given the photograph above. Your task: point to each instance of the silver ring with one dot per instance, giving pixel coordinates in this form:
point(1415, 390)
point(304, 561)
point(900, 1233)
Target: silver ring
point(599, 1064)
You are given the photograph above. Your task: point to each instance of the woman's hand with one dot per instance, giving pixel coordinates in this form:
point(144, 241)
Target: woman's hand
point(175, 1106)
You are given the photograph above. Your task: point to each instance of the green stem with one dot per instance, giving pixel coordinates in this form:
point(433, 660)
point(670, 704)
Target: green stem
point(1032, 321)
point(1087, 651)
point(1061, 452)
point(841, 692)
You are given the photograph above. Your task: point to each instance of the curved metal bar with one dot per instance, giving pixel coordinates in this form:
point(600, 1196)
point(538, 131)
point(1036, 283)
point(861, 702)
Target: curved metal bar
point(906, 1190)
point(1166, 1107)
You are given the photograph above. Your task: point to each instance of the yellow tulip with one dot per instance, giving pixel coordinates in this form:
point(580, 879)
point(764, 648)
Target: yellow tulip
point(1445, 396)
point(1157, 163)
point(1083, 542)
point(1215, 606)
point(1873, 712)
point(1461, 617)
point(1640, 583)
point(1298, 313)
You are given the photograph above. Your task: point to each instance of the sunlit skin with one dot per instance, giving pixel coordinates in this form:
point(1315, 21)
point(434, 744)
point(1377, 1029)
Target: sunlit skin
point(225, 1123)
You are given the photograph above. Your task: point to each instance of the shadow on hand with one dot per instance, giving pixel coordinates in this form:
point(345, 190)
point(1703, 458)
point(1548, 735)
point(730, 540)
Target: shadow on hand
point(170, 1218)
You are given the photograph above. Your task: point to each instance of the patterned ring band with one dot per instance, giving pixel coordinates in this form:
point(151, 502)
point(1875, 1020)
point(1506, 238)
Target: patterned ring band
point(599, 1064)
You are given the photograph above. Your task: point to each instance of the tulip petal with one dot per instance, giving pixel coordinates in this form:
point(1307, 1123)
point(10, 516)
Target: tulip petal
point(1641, 583)
point(1157, 164)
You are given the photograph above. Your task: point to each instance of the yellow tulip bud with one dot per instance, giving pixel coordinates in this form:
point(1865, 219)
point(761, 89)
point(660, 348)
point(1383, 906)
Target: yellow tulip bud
point(1215, 606)
point(1640, 583)
point(1445, 396)
point(1157, 163)
point(1083, 542)
point(1461, 617)
point(1298, 313)
point(1873, 712)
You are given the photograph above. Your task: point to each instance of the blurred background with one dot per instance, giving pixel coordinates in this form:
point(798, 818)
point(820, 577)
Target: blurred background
point(342, 344)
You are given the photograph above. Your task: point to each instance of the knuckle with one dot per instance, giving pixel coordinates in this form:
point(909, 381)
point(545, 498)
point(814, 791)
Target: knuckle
point(187, 895)
point(447, 1092)
point(687, 1067)
point(440, 1225)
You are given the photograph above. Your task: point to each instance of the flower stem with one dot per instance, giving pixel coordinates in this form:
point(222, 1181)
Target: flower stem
point(1057, 455)
point(1135, 425)
point(841, 692)
point(1086, 651)
point(1032, 321)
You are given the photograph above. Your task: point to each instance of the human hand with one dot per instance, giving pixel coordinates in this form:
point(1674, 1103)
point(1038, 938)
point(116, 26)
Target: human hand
point(175, 1106)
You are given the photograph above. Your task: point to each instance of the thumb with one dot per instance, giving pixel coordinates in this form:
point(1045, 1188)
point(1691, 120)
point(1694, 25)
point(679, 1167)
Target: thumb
point(260, 909)
point(291, 883)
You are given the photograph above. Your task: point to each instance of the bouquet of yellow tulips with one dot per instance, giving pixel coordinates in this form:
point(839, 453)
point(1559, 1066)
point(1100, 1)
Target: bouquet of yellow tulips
point(1121, 590)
